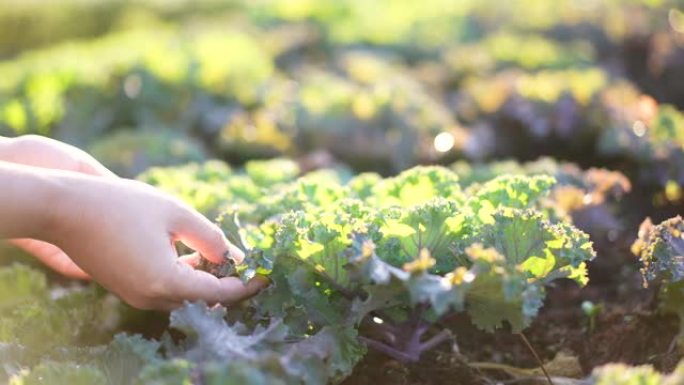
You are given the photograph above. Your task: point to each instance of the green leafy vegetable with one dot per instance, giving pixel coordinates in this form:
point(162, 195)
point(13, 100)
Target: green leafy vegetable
point(661, 250)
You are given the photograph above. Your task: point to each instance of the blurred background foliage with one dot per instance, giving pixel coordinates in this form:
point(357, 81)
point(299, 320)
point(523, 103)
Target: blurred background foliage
point(379, 85)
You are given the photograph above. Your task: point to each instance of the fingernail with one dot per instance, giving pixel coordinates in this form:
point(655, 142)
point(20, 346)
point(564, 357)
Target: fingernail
point(234, 254)
point(261, 282)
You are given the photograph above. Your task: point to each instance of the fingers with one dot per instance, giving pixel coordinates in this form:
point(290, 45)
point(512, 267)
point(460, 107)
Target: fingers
point(198, 233)
point(88, 165)
point(192, 259)
point(195, 285)
point(39, 151)
point(52, 256)
point(183, 283)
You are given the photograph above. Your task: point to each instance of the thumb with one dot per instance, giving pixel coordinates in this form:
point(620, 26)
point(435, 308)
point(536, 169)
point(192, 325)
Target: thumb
point(88, 165)
point(193, 285)
point(201, 235)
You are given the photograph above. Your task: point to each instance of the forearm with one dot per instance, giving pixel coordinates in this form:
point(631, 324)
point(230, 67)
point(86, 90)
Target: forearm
point(28, 197)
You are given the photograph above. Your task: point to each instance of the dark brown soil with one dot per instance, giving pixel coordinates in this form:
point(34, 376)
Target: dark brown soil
point(436, 367)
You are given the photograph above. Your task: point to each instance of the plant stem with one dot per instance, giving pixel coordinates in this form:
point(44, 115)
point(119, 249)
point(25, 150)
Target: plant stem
point(437, 339)
point(536, 356)
point(397, 345)
point(389, 350)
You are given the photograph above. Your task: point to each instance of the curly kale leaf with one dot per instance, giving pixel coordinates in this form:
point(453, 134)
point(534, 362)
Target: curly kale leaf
point(500, 292)
point(21, 284)
point(415, 186)
point(362, 185)
point(521, 252)
point(434, 225)
point(212, 338)
point(319, 238)
point(269, 172)
point(203, 186)
point(532, 244)
point(317, 189)
point(232, 353)
point(118, 363)
point(514, 191)
point(386, 286)
point(40, 319)
point(124, 358)
point(166, 372)
point(661, 251)
point(336, 254)
point(12, 358)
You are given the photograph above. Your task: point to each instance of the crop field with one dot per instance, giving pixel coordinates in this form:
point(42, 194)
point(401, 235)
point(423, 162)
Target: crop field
point(438, 192)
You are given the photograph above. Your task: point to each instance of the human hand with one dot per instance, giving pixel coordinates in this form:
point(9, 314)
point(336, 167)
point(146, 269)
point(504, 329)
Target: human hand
point(39, 151)
point(122, 233)
point(164, 290)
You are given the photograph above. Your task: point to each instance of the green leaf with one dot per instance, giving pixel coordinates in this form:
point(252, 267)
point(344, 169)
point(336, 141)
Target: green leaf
point(528, 241)
point(415, 186)
point(514, 191)
point(326, 357)
point(316, 295)
point(498, 293)
point(363, 184)
point(20, 284)
point(269, 172)
point(621, 374)
point(661, 251)
point(335, 254)
point(79, 315)
point(377, 297)
point(318, 240)
point(123, 359)
point(230, 354)
point(59, 373)
point(434, 225)
point(438, 291)
point(385, 284)
point(488, 305)
point(211, 338)
point(12, 358)
point(171, 372)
